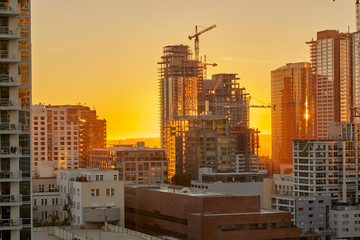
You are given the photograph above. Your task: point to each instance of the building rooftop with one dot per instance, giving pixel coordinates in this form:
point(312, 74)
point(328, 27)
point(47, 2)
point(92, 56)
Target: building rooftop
point(262, 211)
point(194, 192)
point(128, 148)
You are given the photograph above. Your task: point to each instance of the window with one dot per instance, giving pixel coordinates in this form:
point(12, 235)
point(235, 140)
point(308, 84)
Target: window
point(41, 188)
point(110, 192)
point(43, 201)
point(95, 192)
point(54, 201)
point(44, 214)
point(51, 187)
point(115, 178)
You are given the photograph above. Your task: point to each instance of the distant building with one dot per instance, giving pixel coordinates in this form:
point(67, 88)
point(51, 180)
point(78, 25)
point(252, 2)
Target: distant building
point(46, 200)
point(225, 97)
point(199, 141)
point(138, 164)
point(332, 70)
point(64, 135)
point(290, 116)
point(184, 213)
point(89, 197)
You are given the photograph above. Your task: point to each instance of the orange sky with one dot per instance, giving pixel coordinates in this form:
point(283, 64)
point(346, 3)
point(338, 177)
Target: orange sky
point(105, 53)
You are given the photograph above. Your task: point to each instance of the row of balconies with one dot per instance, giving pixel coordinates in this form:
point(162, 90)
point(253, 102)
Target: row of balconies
point(11, 176)
point(7, 56)
point(9, 9)
point(7, 80)
point(11, 200)
point(11, 105)
point(13, 128)
point(7, 32)
point(14, 152)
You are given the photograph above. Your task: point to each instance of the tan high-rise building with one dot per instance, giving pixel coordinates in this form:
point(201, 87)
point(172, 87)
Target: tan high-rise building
point(64, 134)
point(290, 96)
point(331, 72)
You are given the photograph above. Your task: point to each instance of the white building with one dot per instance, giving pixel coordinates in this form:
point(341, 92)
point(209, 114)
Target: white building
point(241, 183)
point(90, 197)
point(345, 220)
point(15, 99)
point(310, 214)
point(46, 200)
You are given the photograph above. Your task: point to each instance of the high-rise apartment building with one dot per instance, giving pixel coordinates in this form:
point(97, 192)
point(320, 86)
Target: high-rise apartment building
point(181, 85)
point(15, 103)
point(290, 96)
point(64, 135)
point(329, 166)
point(331, 70)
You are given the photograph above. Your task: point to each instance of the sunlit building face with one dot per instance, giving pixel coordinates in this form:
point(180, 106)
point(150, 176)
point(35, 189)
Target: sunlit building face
point(290, 115)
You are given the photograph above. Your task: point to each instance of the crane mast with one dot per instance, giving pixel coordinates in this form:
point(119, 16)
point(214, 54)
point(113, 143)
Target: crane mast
point(357, 9)
point(196, 36)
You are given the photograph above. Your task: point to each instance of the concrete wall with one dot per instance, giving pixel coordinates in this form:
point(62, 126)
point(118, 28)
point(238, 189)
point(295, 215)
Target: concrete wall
point(251, 188)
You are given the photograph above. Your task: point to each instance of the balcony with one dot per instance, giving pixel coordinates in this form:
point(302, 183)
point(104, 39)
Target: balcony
point(10, 200)
point(13, 128)
point(7, 56)
point(7, 104)
point(11, 176)
point(7, 33)
point(10, 81)
point(14, 152)
point(9, 9)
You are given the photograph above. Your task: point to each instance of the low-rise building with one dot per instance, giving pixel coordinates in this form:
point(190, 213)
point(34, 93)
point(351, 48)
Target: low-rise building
point(309, 213)
point(240, 183)
point(186, 213)
point(345, 220)
point(46, 200)
point(138, 164)
point(91, 197)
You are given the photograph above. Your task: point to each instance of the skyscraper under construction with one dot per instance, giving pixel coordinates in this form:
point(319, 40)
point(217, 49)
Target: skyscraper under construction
point(181, 85)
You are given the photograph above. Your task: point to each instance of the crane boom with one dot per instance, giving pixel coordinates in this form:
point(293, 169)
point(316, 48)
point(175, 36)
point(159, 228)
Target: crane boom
point(196, 36)
point(202, 31)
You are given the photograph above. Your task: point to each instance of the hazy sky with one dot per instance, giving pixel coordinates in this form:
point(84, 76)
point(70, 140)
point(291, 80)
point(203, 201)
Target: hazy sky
point(104, 53)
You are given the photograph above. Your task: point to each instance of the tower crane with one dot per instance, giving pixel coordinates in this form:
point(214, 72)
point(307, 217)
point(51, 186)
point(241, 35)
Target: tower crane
point(196, 36)
point(205, 66)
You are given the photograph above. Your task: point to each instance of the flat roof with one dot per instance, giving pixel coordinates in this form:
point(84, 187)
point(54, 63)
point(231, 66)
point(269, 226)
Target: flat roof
point(126, 148)
point(194, 192)
point(262, 211)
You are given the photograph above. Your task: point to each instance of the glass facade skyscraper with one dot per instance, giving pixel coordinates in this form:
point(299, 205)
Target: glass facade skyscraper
point(290, 93)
